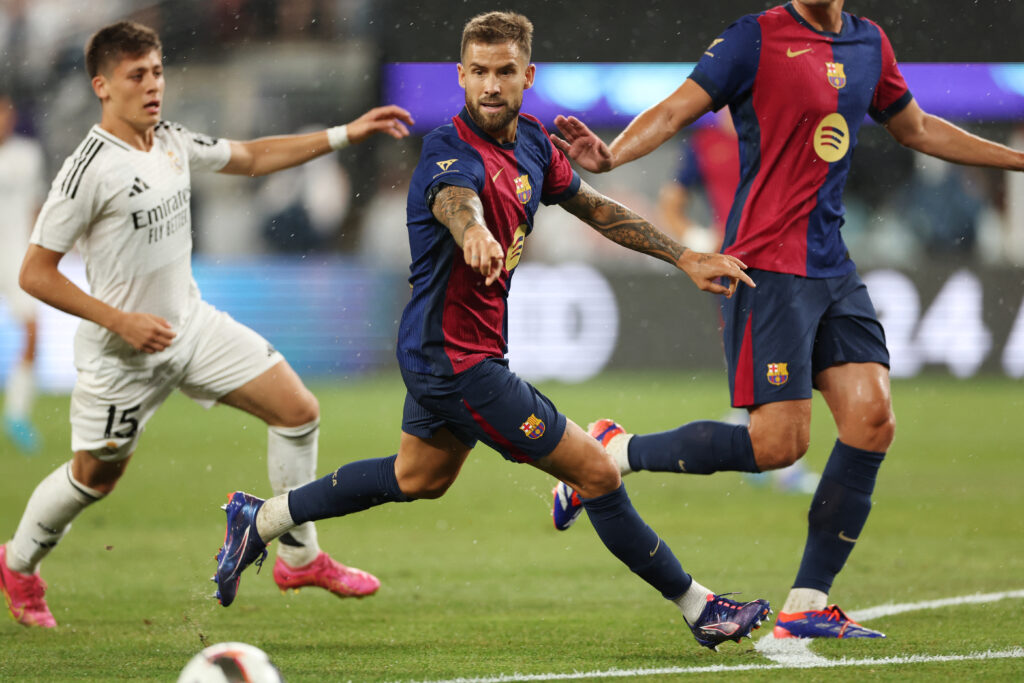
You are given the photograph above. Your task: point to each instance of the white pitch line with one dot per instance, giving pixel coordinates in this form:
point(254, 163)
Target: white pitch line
point(791, 653)
point(1013, 653)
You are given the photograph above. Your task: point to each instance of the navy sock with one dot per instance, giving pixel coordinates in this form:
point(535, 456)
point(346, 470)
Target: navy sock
point(353, 487)
point(838, 512)
point(696, 448)
point(623, 532)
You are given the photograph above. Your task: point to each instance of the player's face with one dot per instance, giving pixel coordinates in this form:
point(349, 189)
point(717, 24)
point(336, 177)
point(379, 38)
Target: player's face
point(494, 77)
point(133, 90)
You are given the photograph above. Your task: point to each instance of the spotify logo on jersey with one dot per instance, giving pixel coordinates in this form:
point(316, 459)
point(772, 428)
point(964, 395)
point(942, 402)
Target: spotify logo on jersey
point(832, 138)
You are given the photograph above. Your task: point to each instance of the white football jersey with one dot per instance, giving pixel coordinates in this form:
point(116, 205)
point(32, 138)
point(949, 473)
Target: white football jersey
point(128, 211)
point(22, 188)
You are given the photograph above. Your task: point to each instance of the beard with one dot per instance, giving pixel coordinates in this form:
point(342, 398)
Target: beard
point(493, 122)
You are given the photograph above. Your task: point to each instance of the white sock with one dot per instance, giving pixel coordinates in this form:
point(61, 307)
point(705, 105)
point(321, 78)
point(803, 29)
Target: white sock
point(803, 599)
point(618, 448)
point(20, 392)
point(55, 502)
point(291, 462)
point(275, 519)
point(693, 601)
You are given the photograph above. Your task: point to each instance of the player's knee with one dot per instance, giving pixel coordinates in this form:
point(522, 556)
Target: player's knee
point(100, 469)
point(601, 476)
point(880, 423)
point(870, 425)
point(776, 449)
point(426, 485)
point(305, 409)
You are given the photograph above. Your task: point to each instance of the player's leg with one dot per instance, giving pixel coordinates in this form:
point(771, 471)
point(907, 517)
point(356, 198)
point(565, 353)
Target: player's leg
point(769, 371)
point(852, 375)
point(20, 389)
point(292, 415)
point(109, 409)
point(580, 462)
point(422, 468)
point(233, 365)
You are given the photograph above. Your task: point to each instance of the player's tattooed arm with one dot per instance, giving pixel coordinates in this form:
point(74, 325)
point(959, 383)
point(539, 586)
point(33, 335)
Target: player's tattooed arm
point(622, 225)
point(460, 210)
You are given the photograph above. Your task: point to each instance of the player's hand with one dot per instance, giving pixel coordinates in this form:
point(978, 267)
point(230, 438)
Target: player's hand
point(390, 120)
point(582, 145)
point(483, 253)
point(706, 269)
point(144, 332)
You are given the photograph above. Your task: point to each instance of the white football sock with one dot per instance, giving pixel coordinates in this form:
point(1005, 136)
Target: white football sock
point(19, 392)
point(291, 462)
point(275, 519)
point(693, 601)
point(618, 448)
point(55, 502)
point(803, 599)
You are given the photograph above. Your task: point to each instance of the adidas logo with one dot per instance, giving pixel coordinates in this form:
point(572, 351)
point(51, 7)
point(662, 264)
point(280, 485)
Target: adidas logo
point(138, 187)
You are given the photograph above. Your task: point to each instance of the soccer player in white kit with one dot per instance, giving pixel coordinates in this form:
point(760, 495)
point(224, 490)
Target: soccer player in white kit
point(22, 189)
point(123, 198)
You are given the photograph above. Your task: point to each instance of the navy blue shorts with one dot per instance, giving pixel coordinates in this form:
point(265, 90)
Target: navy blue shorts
point(781, 334)
point(487, 402)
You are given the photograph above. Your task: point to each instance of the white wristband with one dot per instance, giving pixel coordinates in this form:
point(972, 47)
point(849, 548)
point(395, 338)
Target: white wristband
point(337, 137)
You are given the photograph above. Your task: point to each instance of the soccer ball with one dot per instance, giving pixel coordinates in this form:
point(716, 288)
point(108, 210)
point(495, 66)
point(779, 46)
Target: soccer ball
point(230, 663)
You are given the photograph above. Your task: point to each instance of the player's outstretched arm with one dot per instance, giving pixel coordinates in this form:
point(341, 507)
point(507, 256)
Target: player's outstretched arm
point(623, 226)
point(460, 210)
point(918, 130)
point(642, 136)
point(267, 155)
point(41, 278)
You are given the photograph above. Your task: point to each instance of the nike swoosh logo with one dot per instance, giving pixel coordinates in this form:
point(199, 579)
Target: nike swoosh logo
point(656, 547)
point(494, 178)
point(790, 53)
point(844, 537)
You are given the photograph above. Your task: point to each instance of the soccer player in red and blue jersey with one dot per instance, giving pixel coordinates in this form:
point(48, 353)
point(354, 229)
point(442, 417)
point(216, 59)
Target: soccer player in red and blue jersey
point(471, 206)
point(798, 80)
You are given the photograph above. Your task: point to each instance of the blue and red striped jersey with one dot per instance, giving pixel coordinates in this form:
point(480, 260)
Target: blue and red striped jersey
point(453, 320)
point(798, 97)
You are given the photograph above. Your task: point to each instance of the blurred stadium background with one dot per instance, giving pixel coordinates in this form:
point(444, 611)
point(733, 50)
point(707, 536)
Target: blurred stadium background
point(316, 258)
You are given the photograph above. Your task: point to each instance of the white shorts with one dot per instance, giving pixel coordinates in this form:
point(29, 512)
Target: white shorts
point(110, 406)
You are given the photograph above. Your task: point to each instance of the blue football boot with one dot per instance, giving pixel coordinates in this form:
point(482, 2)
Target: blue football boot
point(566, 506)
point(22, 434)
point(830, 622)
point(242, 545)
point(724, 619)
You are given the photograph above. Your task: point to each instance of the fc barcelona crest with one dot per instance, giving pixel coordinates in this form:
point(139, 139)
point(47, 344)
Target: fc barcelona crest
point(523, 189)
point(533, 427)
point(836, 75)
point(778, 373)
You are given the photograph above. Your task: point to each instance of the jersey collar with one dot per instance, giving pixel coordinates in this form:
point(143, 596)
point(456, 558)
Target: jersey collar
point(796, 15)
point(484, 135)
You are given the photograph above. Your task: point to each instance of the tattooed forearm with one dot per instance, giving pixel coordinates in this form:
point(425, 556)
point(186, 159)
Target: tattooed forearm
point(621, 225)
point(458, 209)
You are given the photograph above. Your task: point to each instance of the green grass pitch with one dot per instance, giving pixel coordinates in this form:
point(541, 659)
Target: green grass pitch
point(479, 584)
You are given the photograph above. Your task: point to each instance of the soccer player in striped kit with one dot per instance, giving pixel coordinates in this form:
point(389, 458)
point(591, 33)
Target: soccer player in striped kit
point(472, 200)
point(123, 199)
point(798, 80)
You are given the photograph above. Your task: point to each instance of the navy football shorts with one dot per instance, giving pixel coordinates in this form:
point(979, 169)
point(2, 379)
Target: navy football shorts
point(487, 402)
point(781, 334)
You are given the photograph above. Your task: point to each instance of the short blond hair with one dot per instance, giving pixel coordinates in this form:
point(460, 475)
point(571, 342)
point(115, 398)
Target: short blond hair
point(499, 27)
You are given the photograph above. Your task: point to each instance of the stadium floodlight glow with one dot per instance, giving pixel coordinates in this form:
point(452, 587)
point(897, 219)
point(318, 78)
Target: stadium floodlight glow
point(609, 95)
